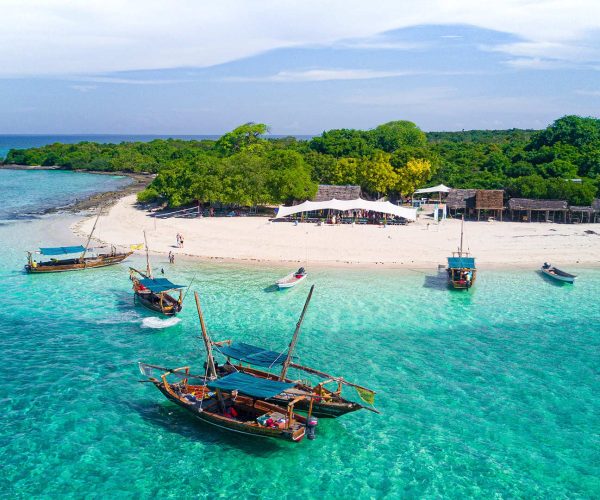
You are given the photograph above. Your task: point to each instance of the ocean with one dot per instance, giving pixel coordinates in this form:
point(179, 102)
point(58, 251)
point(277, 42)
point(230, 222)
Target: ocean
point(489, 393)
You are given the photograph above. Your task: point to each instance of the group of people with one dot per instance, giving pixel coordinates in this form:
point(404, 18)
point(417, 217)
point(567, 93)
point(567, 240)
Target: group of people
point(179, 240)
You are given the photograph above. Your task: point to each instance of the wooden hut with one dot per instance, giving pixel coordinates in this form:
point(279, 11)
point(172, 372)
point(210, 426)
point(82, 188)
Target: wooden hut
point(328, 192)
point(526, 210)
point(489, 200)
point(460, 201)
point(581, 214)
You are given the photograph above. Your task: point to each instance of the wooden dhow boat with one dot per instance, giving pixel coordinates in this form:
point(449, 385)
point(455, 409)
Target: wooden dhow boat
point(320, 400)
point(234, 403)
point(556, 274)
point(237, 402)
point(461, 266)
point(292, 279)
point(155, 293)
point(73, 258)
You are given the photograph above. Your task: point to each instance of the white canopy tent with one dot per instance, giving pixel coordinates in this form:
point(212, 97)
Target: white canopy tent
point(384, 207)
point(440, 188)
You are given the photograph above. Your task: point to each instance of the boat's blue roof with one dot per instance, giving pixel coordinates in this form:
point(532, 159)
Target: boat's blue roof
point(254, 355)
point(158, 285)
point(61, 250)
point(461, 262)
point(249, 385)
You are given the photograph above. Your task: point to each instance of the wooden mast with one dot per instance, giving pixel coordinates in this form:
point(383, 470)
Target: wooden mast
point(87, 244)
point(462, 224)
point(212, 372)
point(148, 268)
point(288, 359)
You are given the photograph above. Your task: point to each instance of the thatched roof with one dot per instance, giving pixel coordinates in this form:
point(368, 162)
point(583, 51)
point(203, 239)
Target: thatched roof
point(328, 192)
point(588, 210)
point(489, 199)
point(527, 204)
point(461, 198)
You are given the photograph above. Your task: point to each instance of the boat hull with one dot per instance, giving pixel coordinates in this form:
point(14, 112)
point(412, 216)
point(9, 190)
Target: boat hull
point(88, 263)
point(152, 302)
point(330, 406)
point(461, 284)
point(557, 277)
point(284, 284)
point(235, 426)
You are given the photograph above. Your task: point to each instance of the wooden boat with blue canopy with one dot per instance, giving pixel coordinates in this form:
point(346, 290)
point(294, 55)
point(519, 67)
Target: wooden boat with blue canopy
point(325, 402)
point(153, 293)
point(237, 402)
point(73, 258)
point(461, 266)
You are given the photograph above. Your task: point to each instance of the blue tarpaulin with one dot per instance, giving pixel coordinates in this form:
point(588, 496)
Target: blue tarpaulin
point(158, 285)
point(249, 385)
point(252, 354)
point(61, 250)
point(461, 262)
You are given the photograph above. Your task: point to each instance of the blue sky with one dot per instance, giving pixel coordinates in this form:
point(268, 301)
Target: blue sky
point(134, 67)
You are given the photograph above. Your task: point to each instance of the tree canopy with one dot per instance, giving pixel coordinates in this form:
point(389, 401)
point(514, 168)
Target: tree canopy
point(246, 167)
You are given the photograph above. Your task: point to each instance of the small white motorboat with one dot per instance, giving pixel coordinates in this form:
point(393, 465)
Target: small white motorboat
point(557, 274)
point(292, 279)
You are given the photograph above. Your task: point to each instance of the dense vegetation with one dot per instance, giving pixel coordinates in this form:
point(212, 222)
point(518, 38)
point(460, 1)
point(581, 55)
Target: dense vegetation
point(394, 159)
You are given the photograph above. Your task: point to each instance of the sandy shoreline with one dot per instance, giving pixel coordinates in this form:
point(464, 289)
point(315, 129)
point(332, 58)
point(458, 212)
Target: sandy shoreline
point(256, 240)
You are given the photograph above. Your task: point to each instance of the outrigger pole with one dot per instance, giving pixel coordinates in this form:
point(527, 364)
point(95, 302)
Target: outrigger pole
point(288, 359)
point(207, 343)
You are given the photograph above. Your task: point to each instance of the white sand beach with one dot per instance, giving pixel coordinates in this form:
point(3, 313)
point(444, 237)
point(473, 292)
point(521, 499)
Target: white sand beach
point(423, 244)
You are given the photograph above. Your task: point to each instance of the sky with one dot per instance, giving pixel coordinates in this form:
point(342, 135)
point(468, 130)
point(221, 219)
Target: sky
point(200, 67)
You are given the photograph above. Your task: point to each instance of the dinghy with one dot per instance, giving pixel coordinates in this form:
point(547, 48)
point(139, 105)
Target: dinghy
point(556, 274)
point(292, 279)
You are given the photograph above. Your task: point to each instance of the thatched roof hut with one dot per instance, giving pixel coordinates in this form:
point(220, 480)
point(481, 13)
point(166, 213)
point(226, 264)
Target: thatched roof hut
point(537, 205)
point(328, 192)
point(461, 198)
point(489, 199)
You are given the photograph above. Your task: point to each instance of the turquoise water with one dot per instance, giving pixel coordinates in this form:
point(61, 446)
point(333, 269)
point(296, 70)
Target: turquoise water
point(490, 393)
point(26, 194)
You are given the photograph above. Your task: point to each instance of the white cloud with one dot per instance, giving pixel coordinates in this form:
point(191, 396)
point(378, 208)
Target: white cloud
point(84, 88)
point(63, 37)
point(330, 74)
point(321, 75)
point(537, 63)
point(126, 81)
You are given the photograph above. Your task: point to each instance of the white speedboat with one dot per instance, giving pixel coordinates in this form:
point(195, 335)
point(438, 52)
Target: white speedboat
point(557, 274)
point(292, 279)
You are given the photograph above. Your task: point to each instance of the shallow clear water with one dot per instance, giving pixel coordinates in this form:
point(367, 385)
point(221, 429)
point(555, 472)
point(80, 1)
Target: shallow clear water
point(26, 193)
point(493, 392)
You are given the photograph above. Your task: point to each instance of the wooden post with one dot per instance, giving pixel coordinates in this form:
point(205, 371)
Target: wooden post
point(207, 344)
point(292, 345)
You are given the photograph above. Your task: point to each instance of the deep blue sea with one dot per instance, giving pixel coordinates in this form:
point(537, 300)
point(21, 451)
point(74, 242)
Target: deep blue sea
point(492, 393)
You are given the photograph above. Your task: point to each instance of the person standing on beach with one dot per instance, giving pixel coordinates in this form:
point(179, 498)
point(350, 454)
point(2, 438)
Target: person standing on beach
point(181, 240)
point(178, 237)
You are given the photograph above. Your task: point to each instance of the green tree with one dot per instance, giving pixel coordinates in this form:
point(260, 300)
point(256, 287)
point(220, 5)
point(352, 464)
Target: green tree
point(412, 176)
point(393, 135)
point(240, 138)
